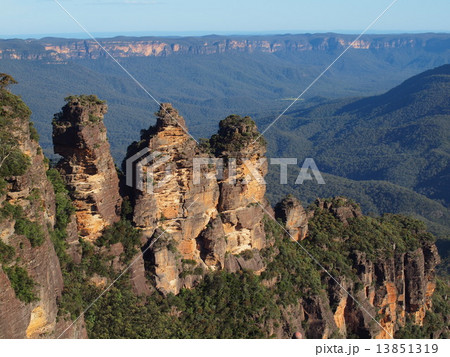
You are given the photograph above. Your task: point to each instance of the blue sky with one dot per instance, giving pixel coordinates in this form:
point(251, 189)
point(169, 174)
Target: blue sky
point(43, 17)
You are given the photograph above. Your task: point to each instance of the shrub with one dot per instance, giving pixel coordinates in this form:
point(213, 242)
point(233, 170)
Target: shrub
point(16, 164)
point(94, 119)
point(247, 254)
point(3, 185)
point(124, 233)
point(189, 261)
point(172, 247)
point(22, 283)
point(64, 210)
point(127, 208)
point(11, 211)
point(198, 271)
point(34, 195)
point(235, 133)
point(6, 253)
point(19, 108)
point(33, 132)
point(64, 207)
point(32, 230)
point(6, 80)
point(84, 99)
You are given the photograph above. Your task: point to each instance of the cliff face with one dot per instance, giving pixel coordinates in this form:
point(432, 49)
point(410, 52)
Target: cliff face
point(242, 190)
point(79, 136)
point(393, 287)
point(168, 200)
point(62, 50)
point(200, 224)
point(30, 277)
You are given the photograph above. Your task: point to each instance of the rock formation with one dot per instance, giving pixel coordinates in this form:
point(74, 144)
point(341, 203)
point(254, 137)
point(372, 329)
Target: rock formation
point(79, 136)
point(167, 199)
point(394, 288)
point(294, 216)
point(341, 208)
point(242, 188)
point(203, 222)
point(30, 195)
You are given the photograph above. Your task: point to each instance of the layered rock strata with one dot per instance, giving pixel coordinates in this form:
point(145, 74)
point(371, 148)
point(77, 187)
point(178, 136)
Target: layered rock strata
point(394, 289)
point(87, 167)
point(63, 50)
point(201, 225)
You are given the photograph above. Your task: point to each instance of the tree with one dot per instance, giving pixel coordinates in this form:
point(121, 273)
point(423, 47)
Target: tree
point(8, 143)
point(12, 161)
point(6, 80)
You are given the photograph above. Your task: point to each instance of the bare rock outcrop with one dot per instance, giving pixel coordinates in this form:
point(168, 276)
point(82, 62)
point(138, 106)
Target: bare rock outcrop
point(79, 136)
point(396, 287)
point(166, 201)
point(239, 144)
point(195, 218)
point(205, 217)
point(341, 207)
point(294, 216)
point(53, 50)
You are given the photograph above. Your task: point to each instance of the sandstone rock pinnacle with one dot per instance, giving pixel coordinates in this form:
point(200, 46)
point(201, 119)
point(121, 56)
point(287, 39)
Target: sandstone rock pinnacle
point(79, 136)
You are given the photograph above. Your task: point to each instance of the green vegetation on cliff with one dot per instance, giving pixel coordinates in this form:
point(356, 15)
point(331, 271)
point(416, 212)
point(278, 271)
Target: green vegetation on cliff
point(33, 231)
point(84, 99)
point(6, 253)
point(13, 162)
point(15, 128)
point(64, 210)
point(235, 134)
point(21, 283)
point(121, 232)
point(79, 289)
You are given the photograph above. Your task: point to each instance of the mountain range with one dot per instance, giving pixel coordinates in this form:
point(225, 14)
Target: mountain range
point(391, 148)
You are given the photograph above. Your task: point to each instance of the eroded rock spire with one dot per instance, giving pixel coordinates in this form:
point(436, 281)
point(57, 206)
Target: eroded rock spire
point(79, 136)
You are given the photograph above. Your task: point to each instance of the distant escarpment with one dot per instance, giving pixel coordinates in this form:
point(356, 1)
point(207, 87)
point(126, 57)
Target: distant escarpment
point(190, 242)
point(54, 49)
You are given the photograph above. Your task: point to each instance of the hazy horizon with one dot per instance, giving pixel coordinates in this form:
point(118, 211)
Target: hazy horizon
point(40, 18)
point(83, 35)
